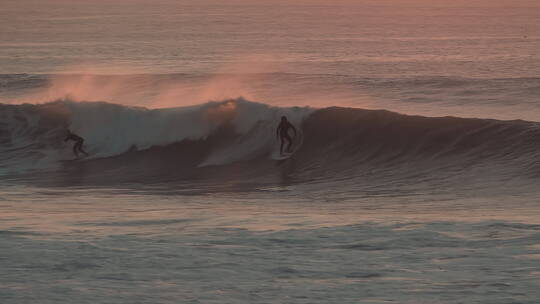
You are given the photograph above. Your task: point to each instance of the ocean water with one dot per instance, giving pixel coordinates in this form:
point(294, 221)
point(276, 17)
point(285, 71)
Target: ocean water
point(414, 180)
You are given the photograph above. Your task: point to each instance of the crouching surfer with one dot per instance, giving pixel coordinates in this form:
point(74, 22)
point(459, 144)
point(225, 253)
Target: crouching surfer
point(283, 133)
point(77, 147)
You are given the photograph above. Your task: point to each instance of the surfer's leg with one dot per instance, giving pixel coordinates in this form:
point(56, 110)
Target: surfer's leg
point(80, 145)
point(84, 152)
point(281, 146)
point(288, 138)
point(75, 149)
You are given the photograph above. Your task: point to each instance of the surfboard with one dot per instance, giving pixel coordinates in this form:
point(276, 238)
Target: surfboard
point(74, 159)
point(282, 156)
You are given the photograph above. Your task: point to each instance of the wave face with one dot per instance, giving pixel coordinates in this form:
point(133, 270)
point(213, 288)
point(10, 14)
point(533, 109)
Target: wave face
point(234, 140)
point(32, 135)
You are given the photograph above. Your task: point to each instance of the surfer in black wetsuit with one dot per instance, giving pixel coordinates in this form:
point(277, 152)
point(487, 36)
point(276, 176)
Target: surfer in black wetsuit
point(283, 133)
point(77, 147)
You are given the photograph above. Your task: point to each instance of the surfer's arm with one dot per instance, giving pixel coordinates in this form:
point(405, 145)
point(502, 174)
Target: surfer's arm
point(294, 129)
point(277, 131)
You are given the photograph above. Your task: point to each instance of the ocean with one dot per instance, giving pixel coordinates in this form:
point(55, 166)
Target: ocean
point(414, 177)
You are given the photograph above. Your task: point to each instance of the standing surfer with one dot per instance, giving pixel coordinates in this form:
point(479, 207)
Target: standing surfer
point(283, 133)
point(77, 147)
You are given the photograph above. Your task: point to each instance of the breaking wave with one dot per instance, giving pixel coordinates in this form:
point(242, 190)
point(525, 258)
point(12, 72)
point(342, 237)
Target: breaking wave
point(235, 139)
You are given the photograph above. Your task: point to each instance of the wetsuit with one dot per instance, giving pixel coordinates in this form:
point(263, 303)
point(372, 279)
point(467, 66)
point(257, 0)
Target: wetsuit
point(283, 131)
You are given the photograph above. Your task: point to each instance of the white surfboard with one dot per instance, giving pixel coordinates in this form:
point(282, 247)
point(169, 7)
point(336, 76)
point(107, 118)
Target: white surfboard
point(282, 156)
point(74, 159)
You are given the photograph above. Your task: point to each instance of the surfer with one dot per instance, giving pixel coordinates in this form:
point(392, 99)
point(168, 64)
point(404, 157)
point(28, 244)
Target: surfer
point(77, 147)
point(283, 133)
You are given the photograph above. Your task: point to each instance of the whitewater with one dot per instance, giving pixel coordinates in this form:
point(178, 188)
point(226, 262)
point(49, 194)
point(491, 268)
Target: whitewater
point(414, 179)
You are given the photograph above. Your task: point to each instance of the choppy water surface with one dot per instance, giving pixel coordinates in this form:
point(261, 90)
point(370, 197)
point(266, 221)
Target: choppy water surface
point(265, 246)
